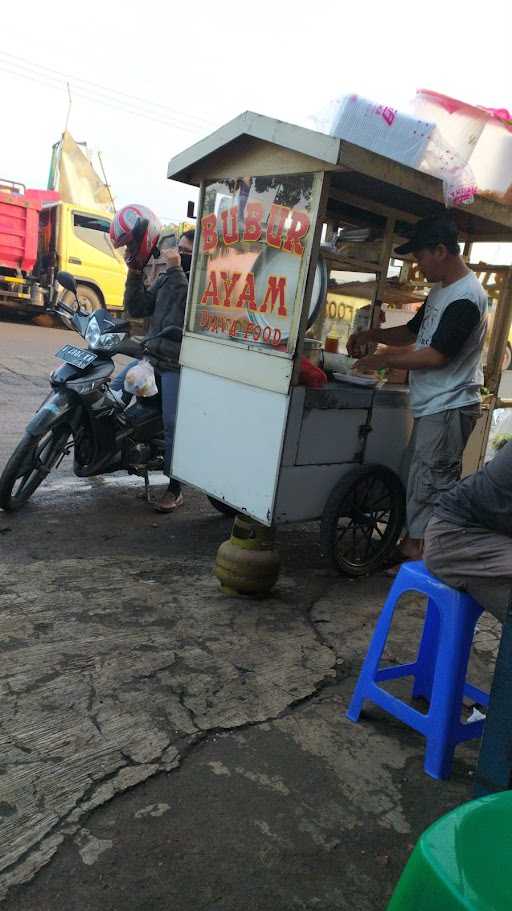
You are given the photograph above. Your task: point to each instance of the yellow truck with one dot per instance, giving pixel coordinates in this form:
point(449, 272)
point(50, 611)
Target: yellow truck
point(40, 234)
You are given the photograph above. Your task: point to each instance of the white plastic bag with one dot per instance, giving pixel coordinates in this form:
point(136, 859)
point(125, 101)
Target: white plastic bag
point(381, 128)
point(414, 138)
point(441, 160)
point(140, 380)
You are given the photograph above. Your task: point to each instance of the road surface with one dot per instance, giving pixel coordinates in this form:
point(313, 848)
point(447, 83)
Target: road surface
point(163, 746)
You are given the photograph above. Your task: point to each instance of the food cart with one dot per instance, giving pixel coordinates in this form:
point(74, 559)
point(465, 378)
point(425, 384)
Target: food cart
point(274, 201)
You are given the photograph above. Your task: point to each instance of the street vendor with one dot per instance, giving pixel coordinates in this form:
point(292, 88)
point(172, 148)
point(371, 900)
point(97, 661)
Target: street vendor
point(468, 541)
point(442, 348)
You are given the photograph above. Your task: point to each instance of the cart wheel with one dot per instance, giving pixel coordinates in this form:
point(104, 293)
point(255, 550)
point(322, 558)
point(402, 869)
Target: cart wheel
point(222, 507)
point(363, 519)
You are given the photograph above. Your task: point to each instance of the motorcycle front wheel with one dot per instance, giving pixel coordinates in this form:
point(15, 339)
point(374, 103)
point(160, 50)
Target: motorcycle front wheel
point(30, 463)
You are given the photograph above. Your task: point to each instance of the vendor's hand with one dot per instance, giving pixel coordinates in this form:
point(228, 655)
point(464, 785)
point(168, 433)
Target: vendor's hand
point(356, 343)
point(171, 256)
point(371, 362)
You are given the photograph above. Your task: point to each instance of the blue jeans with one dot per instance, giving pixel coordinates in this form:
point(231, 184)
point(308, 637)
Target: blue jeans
point(168, 381)
point(117, 384)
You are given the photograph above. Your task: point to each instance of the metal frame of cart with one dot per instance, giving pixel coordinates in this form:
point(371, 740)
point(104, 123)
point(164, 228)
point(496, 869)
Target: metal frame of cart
point(247, 433)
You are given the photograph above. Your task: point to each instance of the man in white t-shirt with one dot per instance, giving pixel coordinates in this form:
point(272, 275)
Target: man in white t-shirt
point(442, 348)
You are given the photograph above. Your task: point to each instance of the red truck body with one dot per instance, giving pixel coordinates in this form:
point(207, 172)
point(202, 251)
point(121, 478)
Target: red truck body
point(41, 234)
point(19, 226)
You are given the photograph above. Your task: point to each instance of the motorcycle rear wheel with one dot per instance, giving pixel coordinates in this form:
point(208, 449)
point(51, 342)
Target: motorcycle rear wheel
point(30, 463)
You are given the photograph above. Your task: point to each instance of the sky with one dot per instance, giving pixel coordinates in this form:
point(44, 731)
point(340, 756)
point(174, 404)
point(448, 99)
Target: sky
point(149, 80)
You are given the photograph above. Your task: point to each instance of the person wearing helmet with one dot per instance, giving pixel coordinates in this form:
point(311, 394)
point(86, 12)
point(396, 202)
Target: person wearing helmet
point(136, 228)
point(164, 304)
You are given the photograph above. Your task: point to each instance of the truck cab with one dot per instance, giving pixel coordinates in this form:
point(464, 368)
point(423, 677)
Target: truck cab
point(83, 247)
point(40, 234)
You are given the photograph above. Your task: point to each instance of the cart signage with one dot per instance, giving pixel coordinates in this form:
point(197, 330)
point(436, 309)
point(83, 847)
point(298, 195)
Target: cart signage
point(254, 241)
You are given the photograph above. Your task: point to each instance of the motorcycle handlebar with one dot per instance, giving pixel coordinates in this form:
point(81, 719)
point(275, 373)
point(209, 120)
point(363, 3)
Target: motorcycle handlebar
point(172, 332)
point(131, 348)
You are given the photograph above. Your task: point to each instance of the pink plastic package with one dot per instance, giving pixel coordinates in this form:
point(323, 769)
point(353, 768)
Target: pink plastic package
point(458, 127)
point(440, 160)
point(492, 159)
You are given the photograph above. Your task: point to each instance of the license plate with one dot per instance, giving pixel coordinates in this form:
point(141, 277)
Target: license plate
point(79, 357)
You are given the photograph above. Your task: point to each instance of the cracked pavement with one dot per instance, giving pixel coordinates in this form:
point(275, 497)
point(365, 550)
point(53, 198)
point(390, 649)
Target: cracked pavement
point(165, 746)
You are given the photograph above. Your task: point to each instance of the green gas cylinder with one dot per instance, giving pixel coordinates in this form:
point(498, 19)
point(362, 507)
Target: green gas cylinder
point(248, 563)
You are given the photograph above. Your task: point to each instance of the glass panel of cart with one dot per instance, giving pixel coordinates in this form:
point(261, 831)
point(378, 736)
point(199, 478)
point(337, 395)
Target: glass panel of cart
point(254, 235)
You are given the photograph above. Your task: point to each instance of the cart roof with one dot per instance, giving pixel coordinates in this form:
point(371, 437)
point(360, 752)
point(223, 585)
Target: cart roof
point(365, 187)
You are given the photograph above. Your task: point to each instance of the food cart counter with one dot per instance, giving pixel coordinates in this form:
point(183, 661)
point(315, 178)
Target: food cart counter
point(332, 428)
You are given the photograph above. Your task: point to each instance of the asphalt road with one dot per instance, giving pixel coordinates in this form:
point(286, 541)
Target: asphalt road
point(27, 357)
point(164, 746)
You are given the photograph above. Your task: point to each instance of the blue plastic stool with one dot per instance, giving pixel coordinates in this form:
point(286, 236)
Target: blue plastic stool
point(439, 670)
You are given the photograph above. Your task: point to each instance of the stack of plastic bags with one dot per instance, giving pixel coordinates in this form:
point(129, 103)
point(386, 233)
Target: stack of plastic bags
point(468, 147)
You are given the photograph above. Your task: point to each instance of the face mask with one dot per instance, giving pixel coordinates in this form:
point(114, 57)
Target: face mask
point(186, 262)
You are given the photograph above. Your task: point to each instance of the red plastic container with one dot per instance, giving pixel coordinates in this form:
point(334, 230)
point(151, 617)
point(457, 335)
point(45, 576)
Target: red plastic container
point(19, 226)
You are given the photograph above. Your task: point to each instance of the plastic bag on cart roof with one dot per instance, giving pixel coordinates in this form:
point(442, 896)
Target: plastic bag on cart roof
point(140, 380)
point(381, 128)
point(409, 137)
point(442, 161)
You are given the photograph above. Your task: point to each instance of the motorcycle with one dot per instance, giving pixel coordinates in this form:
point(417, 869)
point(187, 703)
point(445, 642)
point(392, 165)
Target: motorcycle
point(106, 432)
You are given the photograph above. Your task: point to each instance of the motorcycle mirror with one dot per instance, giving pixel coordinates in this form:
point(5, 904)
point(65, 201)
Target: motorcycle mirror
point(67, 281)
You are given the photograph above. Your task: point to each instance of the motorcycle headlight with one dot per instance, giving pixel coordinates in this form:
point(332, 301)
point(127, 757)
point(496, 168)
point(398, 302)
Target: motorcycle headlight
point(92, 334)
point(110, 340)
point(95, 339)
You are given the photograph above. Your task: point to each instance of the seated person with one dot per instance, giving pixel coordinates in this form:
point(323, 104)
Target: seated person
point(468, 541)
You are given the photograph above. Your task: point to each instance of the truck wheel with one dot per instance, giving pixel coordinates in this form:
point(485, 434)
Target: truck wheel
point(89, 299)
point(363, 519)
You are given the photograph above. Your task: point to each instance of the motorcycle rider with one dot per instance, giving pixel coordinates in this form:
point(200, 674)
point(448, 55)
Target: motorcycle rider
point(164, 303)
